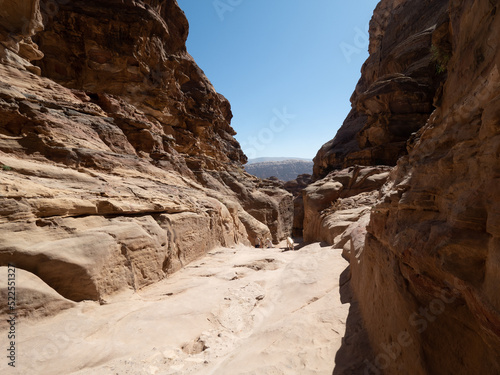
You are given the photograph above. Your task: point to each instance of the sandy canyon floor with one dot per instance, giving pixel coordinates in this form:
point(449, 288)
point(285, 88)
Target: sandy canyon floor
point(236, 311)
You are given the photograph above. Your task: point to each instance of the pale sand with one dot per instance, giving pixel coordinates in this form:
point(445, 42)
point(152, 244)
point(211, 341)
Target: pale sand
point(236, 311)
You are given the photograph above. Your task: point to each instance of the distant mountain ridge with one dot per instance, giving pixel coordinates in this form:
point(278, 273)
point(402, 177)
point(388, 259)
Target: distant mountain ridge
point(285, 170)
point(272, 159)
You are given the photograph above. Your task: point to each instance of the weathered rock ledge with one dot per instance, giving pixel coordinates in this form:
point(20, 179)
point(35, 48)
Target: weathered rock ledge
point(118, 164)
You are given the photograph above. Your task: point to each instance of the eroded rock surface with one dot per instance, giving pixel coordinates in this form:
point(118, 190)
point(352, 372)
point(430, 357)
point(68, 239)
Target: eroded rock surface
point(340, 199)
point(118, 162)
point(33, 298)
point(423, 255)
point(399, 83)
point(433, 240)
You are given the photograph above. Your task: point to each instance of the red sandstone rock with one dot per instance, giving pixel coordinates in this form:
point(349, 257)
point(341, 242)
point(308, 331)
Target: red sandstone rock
point(118, 165)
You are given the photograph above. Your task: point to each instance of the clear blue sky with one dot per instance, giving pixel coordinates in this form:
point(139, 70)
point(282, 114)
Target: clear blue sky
point(288, 67)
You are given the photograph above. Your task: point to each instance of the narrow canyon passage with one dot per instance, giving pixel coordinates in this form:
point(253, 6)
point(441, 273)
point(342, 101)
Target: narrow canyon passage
point(126, 211)
point(235, 311)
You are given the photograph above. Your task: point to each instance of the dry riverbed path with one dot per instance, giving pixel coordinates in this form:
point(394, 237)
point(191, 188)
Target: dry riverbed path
point(235, 311)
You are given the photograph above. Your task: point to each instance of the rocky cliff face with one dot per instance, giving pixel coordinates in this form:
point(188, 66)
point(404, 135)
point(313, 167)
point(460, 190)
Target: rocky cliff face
point(118, 161)
point(424, 259)
point(399, 83)
point(136, 51)
point(338, 200)
point(433, 240)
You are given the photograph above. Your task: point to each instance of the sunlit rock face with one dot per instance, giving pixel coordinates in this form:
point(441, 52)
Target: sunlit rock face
point(399, 81)
point(341, 198)
point(136, 50)
point(118, 162)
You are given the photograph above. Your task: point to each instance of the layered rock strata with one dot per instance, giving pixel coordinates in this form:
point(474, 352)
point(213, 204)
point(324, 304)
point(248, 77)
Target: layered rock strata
point(433, 240)
point(424, 259)
point(118, 162)
point(333, 204)
point(396, 92)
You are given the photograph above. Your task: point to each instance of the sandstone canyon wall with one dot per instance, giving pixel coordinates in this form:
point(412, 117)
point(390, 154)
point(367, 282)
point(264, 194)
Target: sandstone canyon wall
point(399, 82)
point(424, 252)
point(118, 161)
